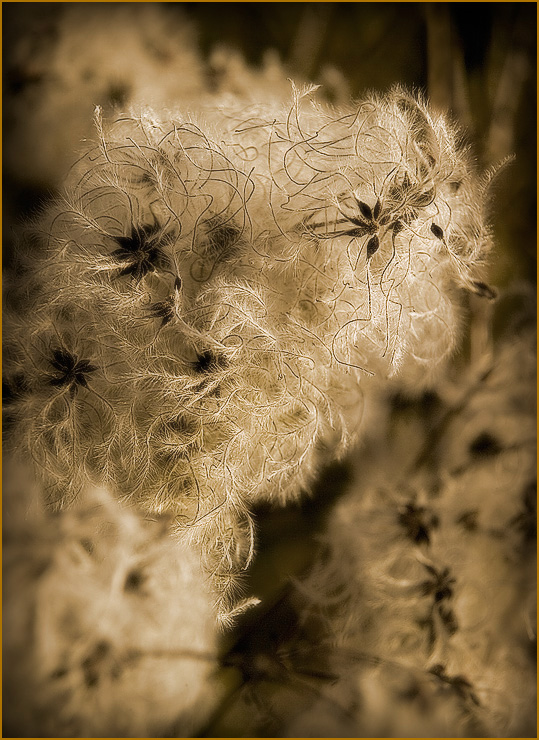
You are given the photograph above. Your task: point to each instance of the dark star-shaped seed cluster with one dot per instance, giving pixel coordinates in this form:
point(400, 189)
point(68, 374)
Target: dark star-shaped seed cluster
point(141, 252)
point(69, 372)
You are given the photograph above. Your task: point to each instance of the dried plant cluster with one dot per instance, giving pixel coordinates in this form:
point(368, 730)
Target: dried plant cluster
point(218, 293)
point(428, 581)
point(241, 294)
point(99, 637)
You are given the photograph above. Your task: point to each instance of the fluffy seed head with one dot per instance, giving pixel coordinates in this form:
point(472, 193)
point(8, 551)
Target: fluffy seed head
point(217, 293)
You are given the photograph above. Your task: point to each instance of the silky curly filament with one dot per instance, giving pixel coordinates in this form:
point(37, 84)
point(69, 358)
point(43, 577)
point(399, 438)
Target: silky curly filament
point(218, 292)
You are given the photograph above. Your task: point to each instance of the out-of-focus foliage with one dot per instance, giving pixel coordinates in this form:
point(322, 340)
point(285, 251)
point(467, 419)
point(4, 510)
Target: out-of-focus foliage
point(108, 627)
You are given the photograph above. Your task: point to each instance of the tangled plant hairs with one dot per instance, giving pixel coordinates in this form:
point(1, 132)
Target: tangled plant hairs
point(217, 293)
